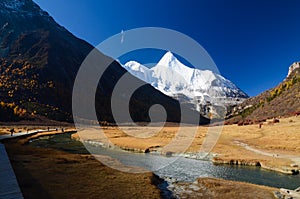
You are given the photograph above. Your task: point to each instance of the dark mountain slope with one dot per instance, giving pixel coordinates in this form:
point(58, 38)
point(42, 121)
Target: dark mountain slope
point(39, 61)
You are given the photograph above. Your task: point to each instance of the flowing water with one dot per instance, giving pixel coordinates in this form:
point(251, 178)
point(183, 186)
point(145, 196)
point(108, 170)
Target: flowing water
point(182, 169)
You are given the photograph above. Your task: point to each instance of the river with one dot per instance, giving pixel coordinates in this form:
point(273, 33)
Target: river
point(182, 169)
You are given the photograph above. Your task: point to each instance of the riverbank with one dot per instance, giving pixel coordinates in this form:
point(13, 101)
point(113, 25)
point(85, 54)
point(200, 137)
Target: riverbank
point(273, 146)
point(49, 173)
point(218, 188)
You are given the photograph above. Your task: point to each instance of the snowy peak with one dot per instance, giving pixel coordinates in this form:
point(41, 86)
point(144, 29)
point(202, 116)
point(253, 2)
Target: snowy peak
point(173, 78)
point(168, 60)
point(171, 62)
point(133, 65)
point(170, 66)
point(140, 71)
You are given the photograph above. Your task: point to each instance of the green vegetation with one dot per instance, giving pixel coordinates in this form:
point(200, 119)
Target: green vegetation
point(283, 87)
point(249, 111)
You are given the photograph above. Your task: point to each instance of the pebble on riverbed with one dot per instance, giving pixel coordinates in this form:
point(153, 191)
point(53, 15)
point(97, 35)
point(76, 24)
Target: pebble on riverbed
point(184, 190)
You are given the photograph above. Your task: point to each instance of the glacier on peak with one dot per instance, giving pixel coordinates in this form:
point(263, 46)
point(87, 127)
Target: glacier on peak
point(173, 78)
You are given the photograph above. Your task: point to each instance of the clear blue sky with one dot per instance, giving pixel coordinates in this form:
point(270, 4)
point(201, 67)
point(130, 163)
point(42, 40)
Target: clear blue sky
point(253, 42)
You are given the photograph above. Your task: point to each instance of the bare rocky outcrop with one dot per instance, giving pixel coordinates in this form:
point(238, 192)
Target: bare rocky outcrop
point(294, 68)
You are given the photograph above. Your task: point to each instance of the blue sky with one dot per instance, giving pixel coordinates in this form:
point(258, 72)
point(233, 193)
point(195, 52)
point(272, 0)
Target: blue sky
point(252, 42)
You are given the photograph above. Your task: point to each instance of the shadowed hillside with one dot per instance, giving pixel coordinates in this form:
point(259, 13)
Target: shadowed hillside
point(39, 61)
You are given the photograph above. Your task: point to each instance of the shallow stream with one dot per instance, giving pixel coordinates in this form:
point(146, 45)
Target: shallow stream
point(182, 169)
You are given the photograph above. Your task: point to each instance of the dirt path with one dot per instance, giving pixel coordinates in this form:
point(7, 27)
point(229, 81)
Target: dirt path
point(295, 159)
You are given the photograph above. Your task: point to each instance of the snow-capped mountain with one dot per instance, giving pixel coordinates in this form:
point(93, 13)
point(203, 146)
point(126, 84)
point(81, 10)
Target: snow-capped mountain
point(177, 80)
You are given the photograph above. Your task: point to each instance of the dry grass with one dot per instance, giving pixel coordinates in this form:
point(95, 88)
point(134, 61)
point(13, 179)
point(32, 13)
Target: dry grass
point(279, 143)
point(280, 138)
point(48, 173)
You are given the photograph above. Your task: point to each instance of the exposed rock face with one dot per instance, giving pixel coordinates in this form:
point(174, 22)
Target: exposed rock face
point(293, 68)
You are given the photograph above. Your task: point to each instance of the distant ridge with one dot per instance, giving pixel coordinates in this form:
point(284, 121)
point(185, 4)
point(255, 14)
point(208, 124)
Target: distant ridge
point(281, 101)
